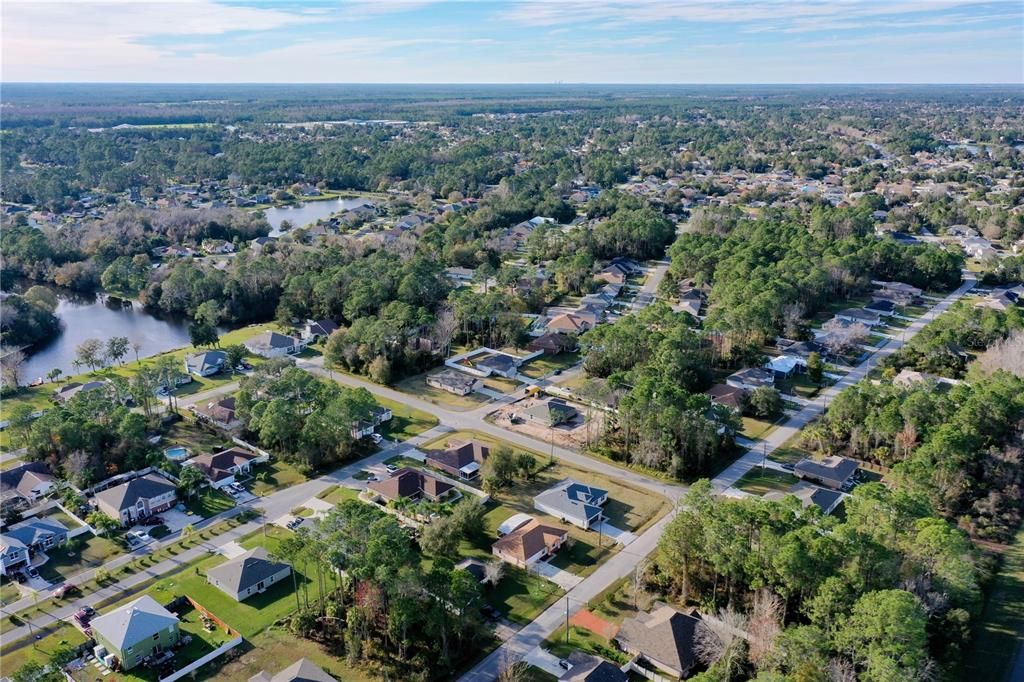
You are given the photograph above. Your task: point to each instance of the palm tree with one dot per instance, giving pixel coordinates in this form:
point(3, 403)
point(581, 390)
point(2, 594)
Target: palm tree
point(101, 523)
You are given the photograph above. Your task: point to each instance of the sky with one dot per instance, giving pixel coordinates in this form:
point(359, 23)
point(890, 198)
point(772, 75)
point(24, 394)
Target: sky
point(498, 41)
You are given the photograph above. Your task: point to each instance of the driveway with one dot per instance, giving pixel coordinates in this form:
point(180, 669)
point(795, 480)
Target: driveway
point(548, 662)
point(231, 549)
point(623, 537)
point(176, 520)
point(563, 579)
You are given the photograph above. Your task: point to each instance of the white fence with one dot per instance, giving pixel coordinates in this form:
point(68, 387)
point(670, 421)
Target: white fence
point(639, 669)
point(222, 649)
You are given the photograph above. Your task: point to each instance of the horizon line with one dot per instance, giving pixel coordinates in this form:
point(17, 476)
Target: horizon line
point(534, 83)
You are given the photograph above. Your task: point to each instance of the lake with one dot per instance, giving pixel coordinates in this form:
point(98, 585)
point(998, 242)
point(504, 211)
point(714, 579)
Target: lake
point(99, 317)
point(307, 213)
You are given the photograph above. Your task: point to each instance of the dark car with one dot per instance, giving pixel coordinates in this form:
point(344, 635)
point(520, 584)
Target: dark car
point(152, 521)
point(84, 615)
point(64, 590)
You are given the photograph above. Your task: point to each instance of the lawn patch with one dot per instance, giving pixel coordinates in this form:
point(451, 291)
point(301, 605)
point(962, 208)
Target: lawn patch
point(758, 482)
point(417, 386)
point(209, 502)
point(76, 555)
point(273, 476)
point(546, 364)
point(998, 633)
point(405, 422)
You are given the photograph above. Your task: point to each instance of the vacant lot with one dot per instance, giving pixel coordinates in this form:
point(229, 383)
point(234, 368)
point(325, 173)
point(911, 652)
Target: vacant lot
point(274, 476)
point(276, 649)
point(546, 364)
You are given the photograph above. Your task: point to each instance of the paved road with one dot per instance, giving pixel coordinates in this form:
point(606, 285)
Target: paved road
point(815, 407)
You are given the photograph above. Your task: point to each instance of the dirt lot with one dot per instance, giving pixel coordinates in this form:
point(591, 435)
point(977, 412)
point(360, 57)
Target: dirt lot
point(572, 435)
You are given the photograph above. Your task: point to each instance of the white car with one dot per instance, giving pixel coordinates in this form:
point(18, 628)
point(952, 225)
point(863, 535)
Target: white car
point(140, 537)
point(376, 438)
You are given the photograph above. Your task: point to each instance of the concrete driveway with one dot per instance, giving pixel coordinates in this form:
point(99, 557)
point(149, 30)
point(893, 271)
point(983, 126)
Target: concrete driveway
point(176, 520)
point(231, 549)
point(623, 537)
point(539, 657)
point(563, 579)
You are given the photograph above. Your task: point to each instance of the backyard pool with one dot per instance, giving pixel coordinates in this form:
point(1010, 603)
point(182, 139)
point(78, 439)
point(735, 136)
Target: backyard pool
point(177, 453)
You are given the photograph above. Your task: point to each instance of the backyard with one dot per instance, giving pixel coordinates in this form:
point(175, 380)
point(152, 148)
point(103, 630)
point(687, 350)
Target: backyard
point(273, 650)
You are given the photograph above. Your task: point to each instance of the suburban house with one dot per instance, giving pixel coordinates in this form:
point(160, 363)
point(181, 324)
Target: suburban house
point(882, 306)
point(458, 275)
point(833, 472)
point(664, 638)
point(549, 412)
point(569, 323)
point(586, 668)
point(786, 365)
point(453, 382)
point(514, 522)
point(69, 391)
point(861, 315)
point(274, 345)
point(38, 533)
point(500, 364)
point(553, 343)
point(14, 555)
point(800, 349)
point(751, 378)
point(822, 498)
point(909, 377)
point(730, 396)
point(380, 414)
point(135, 631)
point(137, 499)
point(221, 413)
point(318, 330)
point(573, 502)
point(362, 429)
point(461, 459)
point(529, 544)
point(220, 468)
point(302, 670)
point(24, 485)
point(206, 363)
point(248, 574)
point(411, 484)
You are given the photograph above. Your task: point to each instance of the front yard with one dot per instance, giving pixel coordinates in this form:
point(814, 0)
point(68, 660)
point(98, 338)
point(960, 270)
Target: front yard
point(209, 503)
point(406, 421)
point(417, 386)
point(78, 554)
point(758, 482)
point(273, 476)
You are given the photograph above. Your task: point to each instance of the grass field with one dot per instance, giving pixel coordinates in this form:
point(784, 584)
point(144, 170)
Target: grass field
point(274, 476)
point(757, 482)
point(406, 421)
point(276, 649)
point(586, 641)
point(61, 635)
point(545, 364)
point(757, 428)
point(1000, 631)
point(79, 554)
point(209, 503)
point(338, 494)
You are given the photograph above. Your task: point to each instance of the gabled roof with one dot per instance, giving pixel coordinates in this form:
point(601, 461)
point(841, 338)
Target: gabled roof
point(529, 539)
point(409, 482)
point(553, 411)
point(270, 339)
point(321, 327)
point(460, 453)
point(196, 362)
point(450, 377)
point(242, 572)
point(832, 468)
point(302, 670)
point(665, 635)
point(34, 530)
point(126, 495)
point(21, 480)
point(572, 499)
point(133, 622)
point(218, 465)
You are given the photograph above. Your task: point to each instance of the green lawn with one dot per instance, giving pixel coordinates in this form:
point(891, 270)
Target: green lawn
point(338, 494)
point(757, 428)
point(209, 503)
point(502, 385)
point(275, 649)
point(406, 421)
point(417, 386)
point(60, 634)
point(586, 641)
point(78, 554)
point(545, 364)
point(8, 591)
point(522, 596)
point(582, 557)
point(757, 482)
point(1000, 631)
point(273, 476)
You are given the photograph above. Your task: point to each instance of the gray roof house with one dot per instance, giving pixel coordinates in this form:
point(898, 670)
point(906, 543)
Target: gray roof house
point(862, 315)
point(13, 554)
point(23, 485)
point(302, 670)
point(136, 630)
point(500, 364)
point(248, 574)
point(833, 472)
point(38, 533)
point(824, 499)
point(573, 502)
point(205, 363)
point(274, 345)
point(137, 499)
point(664, 638)
point(550, 412)
point(586, 668)
point(751, 378)
point(453, 382)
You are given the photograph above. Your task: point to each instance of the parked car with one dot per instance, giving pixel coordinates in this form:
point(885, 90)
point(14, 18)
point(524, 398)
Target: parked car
point(64, 590)
point(295, 523)
point(237, 488)
point(376, 438)
point(32, 572)
point(151, 521)
point(373, 477)
point(84, 615)
point(391, 468)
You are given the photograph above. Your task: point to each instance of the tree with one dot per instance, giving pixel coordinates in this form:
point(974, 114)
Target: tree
point(10, 368)
point(90, 353)
point(102, 523)
point(117, 348)
point(379, 370)
point(236, 353)
point(209, 313)
point(137, 348)
point(765, 402)
point(54, 374)
point(499, 469)
point(37, 672)
point(885, 634)
point(202, 334)
point(526, 464)
point(440, 538)
point(815, 367)
point(494, 571)
point(20, 419)
point(190, 481)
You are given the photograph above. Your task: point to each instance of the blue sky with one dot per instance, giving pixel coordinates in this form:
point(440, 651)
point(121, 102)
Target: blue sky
point(419, 41)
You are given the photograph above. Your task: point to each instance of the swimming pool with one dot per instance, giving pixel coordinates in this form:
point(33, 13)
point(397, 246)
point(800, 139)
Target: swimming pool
point(177, 453)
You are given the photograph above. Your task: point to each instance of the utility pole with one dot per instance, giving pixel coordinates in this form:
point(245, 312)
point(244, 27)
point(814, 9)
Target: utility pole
point(566, 620)
point(764, 455)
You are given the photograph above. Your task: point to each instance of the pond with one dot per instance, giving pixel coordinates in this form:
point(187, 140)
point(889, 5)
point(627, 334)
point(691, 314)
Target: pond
point(301, 215)
point(98, 316)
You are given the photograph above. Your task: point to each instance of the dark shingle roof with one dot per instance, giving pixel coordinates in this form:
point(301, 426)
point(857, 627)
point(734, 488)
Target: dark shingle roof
point(128, 494)
point(241, 573)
